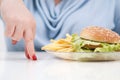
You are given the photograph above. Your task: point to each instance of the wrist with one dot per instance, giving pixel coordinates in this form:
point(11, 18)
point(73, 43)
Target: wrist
point(4, 3)
point(1, 1)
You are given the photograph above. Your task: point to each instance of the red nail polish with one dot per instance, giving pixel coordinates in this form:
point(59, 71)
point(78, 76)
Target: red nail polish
point(26, 54)
point(14, 42)
point(34, 57)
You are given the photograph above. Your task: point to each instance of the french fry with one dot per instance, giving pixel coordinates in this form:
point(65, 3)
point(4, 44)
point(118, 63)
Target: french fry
point(61, 45)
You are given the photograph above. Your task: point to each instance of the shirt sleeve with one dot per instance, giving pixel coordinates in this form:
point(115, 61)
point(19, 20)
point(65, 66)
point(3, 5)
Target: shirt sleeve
point(117, 16)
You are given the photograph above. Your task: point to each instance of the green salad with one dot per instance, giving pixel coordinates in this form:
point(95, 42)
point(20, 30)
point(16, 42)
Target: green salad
point(82, 45)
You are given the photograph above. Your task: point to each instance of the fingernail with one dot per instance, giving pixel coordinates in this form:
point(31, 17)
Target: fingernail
point(26, 54)
point(14, 42)
point(34, 57)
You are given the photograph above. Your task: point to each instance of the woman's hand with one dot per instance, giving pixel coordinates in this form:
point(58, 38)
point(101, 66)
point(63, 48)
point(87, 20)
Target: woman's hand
point(19, 24)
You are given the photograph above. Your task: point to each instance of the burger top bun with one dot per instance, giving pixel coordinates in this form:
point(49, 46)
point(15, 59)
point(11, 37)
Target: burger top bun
point(100, 34)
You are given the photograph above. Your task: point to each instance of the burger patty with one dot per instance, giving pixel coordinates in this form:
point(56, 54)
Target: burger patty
point(89, 46)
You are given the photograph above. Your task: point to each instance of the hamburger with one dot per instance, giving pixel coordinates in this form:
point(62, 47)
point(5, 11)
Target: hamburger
point(96, 39)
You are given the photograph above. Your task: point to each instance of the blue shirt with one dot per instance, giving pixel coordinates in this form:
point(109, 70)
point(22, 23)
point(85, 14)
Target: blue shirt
point(69, 16)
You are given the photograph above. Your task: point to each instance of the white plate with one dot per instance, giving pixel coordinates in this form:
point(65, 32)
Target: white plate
point(87, 56)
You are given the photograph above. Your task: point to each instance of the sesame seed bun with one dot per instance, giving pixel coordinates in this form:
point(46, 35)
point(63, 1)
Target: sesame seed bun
point(100, 34)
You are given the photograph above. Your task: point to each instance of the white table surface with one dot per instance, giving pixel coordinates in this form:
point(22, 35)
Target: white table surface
point(14, 66)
